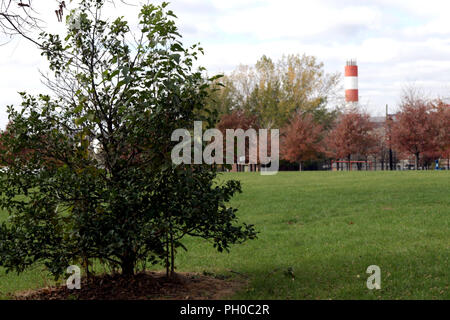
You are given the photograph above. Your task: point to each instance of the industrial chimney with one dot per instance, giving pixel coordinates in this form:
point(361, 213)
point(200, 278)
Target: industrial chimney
point(351, 83)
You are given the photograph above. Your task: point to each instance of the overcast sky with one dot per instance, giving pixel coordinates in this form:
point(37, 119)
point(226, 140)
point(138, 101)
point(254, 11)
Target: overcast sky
point(396, 42)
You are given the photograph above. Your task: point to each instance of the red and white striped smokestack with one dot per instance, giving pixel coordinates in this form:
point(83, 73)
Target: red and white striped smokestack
point(351, 82)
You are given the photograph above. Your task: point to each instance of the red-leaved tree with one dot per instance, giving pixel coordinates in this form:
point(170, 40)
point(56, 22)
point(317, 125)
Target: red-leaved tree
point(352, 135)
point(302, 139)
point(442, 122)
point(415, 131)
point(238, 119)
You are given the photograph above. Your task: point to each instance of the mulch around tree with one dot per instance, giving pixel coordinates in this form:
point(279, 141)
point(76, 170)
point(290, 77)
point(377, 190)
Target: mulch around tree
point(143, 286)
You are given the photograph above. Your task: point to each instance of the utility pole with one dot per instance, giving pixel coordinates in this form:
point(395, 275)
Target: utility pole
point(388, 123)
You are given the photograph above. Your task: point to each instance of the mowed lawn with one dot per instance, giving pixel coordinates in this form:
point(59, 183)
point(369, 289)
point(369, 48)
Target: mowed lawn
point(319, 231)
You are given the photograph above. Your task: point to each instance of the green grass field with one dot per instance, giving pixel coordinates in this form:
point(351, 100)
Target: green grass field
point(328, 228)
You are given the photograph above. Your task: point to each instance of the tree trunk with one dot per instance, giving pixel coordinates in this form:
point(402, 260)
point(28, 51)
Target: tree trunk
point(127, 267)
point(300, 166)
point(391, 163)
point(172, 255)
point(168, 253)
point(417, 161)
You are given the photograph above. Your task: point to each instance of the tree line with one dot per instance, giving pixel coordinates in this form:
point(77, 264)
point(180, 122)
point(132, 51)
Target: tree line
point(296, 96)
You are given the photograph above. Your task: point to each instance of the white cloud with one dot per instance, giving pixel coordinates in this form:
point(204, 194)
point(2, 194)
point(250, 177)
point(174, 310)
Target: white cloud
point(293, 19)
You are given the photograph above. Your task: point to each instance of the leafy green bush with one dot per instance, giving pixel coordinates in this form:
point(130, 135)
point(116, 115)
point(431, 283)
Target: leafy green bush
point(92, 164)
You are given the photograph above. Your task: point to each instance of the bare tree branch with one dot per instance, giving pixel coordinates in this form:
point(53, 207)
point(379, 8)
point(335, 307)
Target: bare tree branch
point(19, 17)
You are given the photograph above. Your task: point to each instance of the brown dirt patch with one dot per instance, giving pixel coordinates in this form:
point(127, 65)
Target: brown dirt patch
point(143, 286)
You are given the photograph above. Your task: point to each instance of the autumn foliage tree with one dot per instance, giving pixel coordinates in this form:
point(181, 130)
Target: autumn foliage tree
point(14, 152)
point(10, 154)
point(302, 139)
point(380, 149)
point(275, 90)
point(238, 119)
point(352, 135)
point(441, 119)
point(415, 131)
